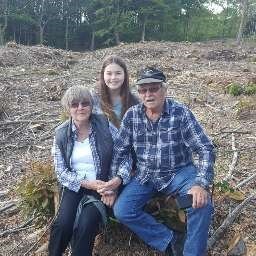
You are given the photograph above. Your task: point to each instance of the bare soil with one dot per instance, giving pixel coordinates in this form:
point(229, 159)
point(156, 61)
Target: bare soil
point(33, 79)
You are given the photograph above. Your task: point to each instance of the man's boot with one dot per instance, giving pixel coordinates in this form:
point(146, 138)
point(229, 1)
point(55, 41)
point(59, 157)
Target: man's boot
point(175, 248)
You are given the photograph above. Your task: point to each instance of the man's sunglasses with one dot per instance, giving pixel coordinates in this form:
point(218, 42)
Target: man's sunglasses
point(150, 89)
point(82, 103)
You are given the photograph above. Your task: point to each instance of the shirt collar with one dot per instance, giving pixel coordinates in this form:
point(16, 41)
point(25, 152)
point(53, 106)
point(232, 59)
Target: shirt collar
point(166, 109)
point(74, 129)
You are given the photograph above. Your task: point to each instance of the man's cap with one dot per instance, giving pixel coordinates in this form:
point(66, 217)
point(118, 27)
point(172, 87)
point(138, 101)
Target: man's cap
point(150, 75)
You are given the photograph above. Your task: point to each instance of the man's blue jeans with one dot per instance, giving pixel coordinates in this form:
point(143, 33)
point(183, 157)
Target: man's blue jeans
point(128, 209)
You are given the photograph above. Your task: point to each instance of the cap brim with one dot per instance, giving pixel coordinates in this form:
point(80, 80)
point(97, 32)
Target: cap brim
point(148, 81)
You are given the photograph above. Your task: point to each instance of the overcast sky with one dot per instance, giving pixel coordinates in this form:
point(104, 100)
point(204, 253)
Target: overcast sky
point(214, 8)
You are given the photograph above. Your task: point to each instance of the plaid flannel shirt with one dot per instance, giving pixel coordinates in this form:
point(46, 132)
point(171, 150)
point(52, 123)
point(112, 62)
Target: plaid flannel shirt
point(70, 179)
point(163, 148)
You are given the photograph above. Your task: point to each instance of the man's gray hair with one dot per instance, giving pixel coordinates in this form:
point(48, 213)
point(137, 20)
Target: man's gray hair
point(76, 93)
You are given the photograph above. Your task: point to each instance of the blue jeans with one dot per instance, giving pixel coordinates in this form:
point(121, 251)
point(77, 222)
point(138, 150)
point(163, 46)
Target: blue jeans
point(128, 209)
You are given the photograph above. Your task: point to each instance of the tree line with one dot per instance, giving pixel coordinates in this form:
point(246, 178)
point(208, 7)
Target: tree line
point(90, 24)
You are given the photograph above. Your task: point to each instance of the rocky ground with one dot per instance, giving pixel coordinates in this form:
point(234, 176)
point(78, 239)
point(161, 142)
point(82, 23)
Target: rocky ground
point(33, 79)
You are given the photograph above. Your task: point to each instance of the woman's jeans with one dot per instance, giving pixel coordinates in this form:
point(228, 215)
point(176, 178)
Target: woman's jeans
point(62, 228)
point(129, 206)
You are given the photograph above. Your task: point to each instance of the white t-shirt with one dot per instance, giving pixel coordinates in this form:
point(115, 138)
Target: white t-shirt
point(82, 160)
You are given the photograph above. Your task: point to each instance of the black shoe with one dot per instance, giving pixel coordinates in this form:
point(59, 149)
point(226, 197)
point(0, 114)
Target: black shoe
point(176, 248)
point(169, 251)
point(179, 242)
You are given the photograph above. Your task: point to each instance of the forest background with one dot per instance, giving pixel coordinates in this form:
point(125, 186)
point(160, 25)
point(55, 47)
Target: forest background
point(191, 41)
point(90, 24)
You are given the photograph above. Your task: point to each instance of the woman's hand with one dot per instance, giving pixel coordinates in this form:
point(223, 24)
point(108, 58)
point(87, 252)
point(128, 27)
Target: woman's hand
point(113, 184)
point(92, 184)
point(108, 198)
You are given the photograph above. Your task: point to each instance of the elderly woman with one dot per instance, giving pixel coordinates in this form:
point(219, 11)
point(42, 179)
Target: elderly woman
point(82, 152)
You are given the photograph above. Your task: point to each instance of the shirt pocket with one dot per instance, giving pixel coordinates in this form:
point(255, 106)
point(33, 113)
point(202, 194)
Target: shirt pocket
point(140, 136)
point(170, 135)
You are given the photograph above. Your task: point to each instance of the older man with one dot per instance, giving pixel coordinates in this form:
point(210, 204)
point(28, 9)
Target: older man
point(163, 134)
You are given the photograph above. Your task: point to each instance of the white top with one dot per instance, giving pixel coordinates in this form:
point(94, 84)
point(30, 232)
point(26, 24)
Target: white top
point(82, 160)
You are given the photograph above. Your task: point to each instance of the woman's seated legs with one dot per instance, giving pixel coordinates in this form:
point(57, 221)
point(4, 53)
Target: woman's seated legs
point(88, 228)
point(62, 228)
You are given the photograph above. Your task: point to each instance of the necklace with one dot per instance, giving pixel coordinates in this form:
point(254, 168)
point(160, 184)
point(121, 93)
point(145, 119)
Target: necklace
point(81, 136)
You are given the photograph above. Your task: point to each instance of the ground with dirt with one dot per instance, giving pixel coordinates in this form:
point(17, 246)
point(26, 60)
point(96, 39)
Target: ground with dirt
point(33, 79)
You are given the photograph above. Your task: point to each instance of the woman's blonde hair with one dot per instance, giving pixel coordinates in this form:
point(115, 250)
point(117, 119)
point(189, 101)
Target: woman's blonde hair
point(76, 93)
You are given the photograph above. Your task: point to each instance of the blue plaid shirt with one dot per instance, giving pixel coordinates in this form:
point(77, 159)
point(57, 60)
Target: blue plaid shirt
point(70, 179)
point(165, 146)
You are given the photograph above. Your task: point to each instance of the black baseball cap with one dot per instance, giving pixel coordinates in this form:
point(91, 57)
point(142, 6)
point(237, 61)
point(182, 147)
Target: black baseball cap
point(150, 75)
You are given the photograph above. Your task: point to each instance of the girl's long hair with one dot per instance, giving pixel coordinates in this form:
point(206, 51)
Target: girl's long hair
point(127, 99)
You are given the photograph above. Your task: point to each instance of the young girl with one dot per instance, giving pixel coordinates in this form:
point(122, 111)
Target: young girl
point(114, 96)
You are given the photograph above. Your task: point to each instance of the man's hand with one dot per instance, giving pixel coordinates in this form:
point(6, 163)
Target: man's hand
point(109, 198)
point(200, 196)
point(92, 184)
point(113, 184)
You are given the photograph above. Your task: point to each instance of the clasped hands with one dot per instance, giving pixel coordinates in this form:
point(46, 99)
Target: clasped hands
point(107, 190)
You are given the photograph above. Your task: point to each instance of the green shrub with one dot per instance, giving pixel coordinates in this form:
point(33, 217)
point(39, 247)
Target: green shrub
point(224, 186)
point(37, 190)
point(250, 89)
point(245, 108)
point(235, 89)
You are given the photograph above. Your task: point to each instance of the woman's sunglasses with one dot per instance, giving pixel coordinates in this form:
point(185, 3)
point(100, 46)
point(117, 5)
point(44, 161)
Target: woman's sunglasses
point(82, 103)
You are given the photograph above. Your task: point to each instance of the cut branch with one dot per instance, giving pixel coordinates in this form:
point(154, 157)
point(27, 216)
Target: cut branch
point(246, 181)
point(19, 228)
point(28, 121)
point(38, 240)
point(7, 206)
point(229, 132)
point(234, 159)
point(229, 220)
point(4, 192)
point(223, 134)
